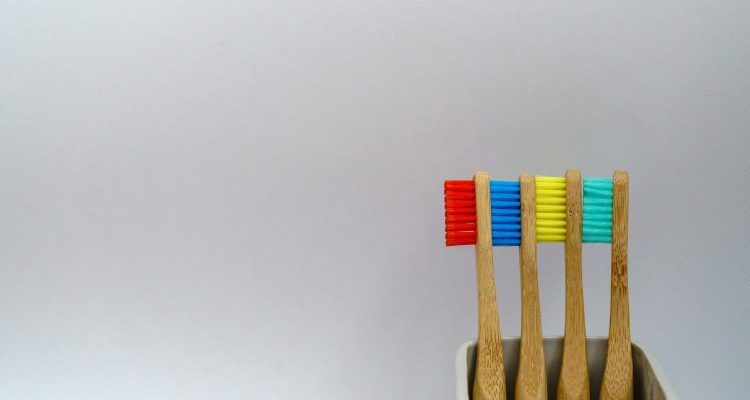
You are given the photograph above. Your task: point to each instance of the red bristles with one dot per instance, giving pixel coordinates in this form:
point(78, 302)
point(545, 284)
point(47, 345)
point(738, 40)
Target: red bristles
point(454, 219)
point(460, 213)
point(460, 227)
point(458, 195)
point(460, 204)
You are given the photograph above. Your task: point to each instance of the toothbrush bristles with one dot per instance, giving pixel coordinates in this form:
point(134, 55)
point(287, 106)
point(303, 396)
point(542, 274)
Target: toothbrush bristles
point(460, 213)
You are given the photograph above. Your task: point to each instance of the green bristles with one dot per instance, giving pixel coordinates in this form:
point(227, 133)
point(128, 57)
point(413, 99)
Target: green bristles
point(597, 210)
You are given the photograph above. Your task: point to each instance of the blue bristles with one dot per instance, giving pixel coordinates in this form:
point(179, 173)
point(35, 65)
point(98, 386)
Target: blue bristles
point(505, 199)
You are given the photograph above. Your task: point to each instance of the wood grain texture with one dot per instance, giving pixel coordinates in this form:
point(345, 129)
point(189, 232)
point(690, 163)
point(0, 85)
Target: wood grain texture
point(574, 372)
point(617, 383)
point(489, 379)
point(531, 382)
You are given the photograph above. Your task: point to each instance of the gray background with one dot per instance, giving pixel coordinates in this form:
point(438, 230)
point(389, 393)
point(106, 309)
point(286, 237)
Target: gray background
point(243, 200)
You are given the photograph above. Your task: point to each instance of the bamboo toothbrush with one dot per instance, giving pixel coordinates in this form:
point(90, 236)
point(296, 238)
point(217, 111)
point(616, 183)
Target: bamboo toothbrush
point(574, 374)
point(531, 382)
point(617, 383)
point(468, 219)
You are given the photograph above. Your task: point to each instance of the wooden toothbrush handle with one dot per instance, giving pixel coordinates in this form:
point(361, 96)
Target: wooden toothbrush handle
point(574, 372)
point(617, 383)
point(531, 382)
point(489, 378)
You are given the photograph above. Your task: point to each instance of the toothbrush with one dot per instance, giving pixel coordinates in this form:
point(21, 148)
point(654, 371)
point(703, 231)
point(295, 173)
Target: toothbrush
point(617, 383)
point(468, 219)
point(531, 381)
point(574, 374)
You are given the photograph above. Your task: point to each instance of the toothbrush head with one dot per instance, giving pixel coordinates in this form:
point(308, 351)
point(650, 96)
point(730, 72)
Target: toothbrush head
point(460, 213)
point(551, 209)
point(505, 200)
point(597, 210)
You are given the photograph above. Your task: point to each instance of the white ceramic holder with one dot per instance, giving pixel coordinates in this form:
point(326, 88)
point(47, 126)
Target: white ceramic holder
point(648, 378)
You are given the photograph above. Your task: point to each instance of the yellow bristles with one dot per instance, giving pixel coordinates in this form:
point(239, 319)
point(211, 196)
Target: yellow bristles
point(542, 216)
point(551, 213)
point(552, 223)
point(550, 208)
point(550, 238)
point(550, 185)
point(542, 200)
point(550, 193)
point(557, 179)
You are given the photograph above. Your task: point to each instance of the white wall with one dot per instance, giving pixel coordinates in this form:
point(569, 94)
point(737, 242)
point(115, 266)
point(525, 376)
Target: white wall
point(243, 200)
